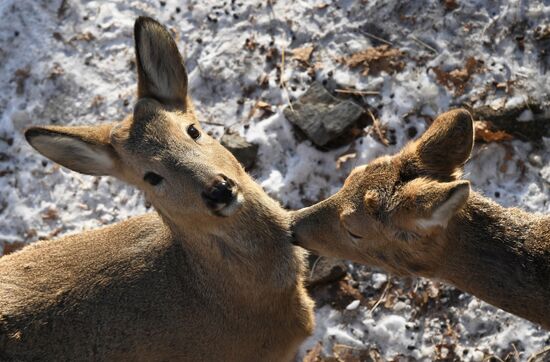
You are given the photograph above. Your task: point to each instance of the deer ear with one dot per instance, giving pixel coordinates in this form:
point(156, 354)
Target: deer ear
point(445, 147)
point(83, 149)
point(431, 204)
point(161, 72)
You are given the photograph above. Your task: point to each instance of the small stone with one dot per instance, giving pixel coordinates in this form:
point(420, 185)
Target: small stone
point(325, 270)
point(244, 151)
point(478, 356)
point(535, 160)
point(399, 306)
point(378, 280)
point(353, 305)
point(327, 121)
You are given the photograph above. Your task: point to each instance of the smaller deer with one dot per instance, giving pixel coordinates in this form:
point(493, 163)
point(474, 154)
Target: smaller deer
point(411, 214)
point(213, 276)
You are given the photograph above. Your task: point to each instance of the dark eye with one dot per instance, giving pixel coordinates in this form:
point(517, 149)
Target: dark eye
point(193, 132)
point(353, 235)
point(153, 178)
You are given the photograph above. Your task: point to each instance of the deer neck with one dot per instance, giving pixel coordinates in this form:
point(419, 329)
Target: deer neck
point(249, 251)
point(501, 255)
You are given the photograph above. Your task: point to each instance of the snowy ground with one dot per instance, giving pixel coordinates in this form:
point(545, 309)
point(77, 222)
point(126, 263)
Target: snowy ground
point(71, 62)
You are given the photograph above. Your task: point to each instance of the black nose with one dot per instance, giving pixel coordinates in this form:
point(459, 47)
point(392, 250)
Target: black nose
point(220, 193)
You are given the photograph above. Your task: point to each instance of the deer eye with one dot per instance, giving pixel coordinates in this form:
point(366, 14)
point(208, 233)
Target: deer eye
point(354, 236)
point(193, 132)
point(153, 178)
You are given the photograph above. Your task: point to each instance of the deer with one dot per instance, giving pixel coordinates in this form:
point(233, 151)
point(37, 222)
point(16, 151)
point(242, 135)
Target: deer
point(412, 214)
point(210, 275)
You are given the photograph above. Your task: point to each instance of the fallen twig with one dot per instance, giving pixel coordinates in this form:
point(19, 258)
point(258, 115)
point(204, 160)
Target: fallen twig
point(376, 128)
point(282, 82)
point(357, 92)
point(376, 38)
point(382, 296)
point(543, 352)
point(314, 265)
point(430, 48)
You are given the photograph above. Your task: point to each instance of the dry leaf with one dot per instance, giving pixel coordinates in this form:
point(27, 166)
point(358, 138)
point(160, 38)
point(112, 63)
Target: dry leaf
point(260, 105)
point(21, 76)
point(264, 106)
point(450, 5)
point(271, 54)
point(87, 36)
point(250, 44)
point(263, 80)
point(97, 101)
point(379, 131)
point(302, 54)
point(345, 158)
point(542, 32)
point(390, 301)
point(12, 247)
point(378, 59)
point(375, 355)
point(484, 133)
point(433, 290)
point(55, 232)
point(345, 353)
point(314, 354)
point(425, 297)
point(457, 78)
point(312, 70)
point(321, 6)
point(56, 71)
point(50, 214)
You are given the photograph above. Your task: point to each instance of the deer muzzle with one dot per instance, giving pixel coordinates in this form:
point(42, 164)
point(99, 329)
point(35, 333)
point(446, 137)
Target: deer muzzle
point(222, 197)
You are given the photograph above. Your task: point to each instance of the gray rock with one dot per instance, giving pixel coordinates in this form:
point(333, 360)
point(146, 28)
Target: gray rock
point(506, 119)
point(325, 270)
point(243, 150)
point(324, 119)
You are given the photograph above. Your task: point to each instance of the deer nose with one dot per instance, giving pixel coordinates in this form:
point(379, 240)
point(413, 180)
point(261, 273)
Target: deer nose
point(220, 194)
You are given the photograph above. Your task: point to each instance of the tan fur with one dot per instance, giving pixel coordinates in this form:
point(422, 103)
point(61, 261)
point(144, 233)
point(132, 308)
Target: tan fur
point(185, 284)
point(411, 215)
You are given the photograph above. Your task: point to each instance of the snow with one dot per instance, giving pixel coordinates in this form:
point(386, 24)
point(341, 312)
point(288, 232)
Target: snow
point(51, 74)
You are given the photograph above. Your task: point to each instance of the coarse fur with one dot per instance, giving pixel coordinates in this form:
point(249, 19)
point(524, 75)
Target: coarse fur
point(411, 214)
point(184, 284)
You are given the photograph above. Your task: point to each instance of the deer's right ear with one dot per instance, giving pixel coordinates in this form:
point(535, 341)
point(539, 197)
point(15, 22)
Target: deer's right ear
point(428, 204)
point(83, 149)
point(161, 72)
point(446, 146)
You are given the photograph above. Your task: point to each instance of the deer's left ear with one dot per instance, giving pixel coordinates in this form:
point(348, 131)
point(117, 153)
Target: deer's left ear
point(161, 72)
point(84, 149)
point(445, 147)
point(431, 204)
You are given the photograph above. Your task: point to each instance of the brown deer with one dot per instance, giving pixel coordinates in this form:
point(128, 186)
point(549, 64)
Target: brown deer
point(213, 276)
point(411, 214)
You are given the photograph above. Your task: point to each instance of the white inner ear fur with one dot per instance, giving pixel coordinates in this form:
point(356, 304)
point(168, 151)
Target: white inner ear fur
point(74, 154)
point(443, 213)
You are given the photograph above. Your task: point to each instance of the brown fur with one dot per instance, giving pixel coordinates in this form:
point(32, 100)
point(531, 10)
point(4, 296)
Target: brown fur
point(185, 284)
point(411, 215)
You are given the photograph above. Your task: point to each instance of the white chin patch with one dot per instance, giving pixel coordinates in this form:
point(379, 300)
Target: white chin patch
point(233, 206)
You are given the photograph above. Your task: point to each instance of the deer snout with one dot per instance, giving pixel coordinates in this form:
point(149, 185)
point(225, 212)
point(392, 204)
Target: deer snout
point(222, 197)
